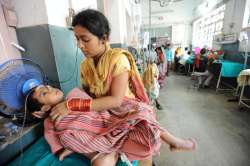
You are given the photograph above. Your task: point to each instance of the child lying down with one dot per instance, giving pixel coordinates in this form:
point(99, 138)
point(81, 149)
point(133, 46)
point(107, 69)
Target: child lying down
point(101, 135)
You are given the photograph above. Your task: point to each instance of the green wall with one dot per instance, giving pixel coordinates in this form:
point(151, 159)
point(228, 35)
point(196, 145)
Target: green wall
point(37, 42)
point(54, 49)
point(67, 57)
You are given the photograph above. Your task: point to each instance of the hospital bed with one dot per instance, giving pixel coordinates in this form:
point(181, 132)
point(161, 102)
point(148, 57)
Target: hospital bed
point(243, 81)
point(39, 155)
point(35, 151)
point(228, 69)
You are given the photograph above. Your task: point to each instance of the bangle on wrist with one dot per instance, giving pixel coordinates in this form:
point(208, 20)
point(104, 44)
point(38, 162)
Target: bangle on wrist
point(77, 104)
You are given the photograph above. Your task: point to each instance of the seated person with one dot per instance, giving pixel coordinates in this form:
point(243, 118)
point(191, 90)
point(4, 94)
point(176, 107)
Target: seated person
point(100, 136)
point(184, 58)
point(205, 78)
point(200, 60)
point(183, 62)
point(216, 54)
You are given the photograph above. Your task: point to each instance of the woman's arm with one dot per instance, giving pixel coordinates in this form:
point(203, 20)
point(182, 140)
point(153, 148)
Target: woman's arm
point(118, 89)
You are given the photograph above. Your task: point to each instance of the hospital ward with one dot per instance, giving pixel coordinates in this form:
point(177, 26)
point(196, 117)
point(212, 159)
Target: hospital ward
point(125, 82)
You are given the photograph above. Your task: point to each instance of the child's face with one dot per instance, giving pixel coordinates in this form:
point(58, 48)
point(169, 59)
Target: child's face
point(48, 95)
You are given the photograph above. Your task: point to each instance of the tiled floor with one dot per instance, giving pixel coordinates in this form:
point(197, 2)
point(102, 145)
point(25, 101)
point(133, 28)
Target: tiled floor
point(222, 131)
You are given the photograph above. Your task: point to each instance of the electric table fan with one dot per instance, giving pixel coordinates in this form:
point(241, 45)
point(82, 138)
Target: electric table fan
point(17, 77)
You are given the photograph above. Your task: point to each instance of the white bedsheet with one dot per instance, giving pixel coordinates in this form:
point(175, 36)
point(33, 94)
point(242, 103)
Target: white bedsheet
point(244, 74)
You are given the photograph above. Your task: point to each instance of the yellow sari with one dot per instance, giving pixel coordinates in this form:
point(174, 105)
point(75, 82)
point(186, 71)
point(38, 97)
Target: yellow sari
point(97, 79)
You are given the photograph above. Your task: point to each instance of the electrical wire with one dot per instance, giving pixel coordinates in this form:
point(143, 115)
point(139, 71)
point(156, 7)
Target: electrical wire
point(21, 131)
point(77, 74)
point(72, 75)
point(25, 104)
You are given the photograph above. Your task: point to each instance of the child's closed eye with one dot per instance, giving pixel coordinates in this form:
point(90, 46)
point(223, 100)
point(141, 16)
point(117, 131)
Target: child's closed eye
point(44, 93)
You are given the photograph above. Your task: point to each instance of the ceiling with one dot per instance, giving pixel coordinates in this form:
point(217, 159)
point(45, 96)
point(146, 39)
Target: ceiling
point(179, 11)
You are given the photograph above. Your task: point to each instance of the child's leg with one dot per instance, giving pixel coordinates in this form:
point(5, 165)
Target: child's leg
point(105, 159)
point(64, 153)
point(158, 105)
point(146, 162)
point(176, 143)
point(97, 159)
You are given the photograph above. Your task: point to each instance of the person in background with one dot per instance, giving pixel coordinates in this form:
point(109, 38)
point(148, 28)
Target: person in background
point(177, 57)
point(151, 54)
point(161, 66)
point(186, 49)
point(169, 57)
point(151, 84)
point(200, 60)
point(161, 59)
point(165, 63)
point(206, 76)
point(183, 66)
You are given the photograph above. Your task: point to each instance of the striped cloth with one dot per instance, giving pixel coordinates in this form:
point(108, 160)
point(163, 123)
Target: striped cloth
point(130, 129)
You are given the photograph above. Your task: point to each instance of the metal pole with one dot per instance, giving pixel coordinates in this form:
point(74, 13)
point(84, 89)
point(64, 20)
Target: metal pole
point(149, 30)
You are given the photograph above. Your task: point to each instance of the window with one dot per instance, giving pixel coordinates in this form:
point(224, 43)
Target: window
point(206, 27)
point(246, 18)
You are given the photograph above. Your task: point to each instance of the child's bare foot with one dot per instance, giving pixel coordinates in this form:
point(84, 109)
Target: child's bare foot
point(184, 145)
point(64, 154)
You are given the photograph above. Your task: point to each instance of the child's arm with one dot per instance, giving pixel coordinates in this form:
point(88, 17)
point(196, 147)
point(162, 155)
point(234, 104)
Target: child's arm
point(118, 89)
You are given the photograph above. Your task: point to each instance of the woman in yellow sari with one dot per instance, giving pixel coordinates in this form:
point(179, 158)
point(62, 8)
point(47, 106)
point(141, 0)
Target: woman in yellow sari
point(151, 84)
point(117, 116)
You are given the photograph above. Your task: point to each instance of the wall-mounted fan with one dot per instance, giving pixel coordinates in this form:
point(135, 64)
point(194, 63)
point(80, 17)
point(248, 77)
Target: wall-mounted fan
point(17, 77)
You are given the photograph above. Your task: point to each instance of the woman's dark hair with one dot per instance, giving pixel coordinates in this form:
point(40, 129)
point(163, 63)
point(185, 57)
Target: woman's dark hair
point(94, 21)
point(158, 48)
point(32, 103)
point(203, 51)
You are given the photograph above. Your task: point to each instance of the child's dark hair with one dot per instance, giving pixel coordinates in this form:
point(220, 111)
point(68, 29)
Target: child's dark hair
point(94, 21)
point(32, 103)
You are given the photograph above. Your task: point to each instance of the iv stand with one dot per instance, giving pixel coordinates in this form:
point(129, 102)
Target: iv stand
point(242, 100)
point(245, 40)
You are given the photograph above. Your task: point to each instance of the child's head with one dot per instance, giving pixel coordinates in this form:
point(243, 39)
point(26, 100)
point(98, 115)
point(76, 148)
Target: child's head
point(41, 98)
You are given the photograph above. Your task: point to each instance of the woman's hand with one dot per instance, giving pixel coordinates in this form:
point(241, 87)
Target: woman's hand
point(58, 112)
